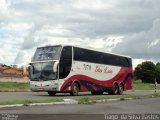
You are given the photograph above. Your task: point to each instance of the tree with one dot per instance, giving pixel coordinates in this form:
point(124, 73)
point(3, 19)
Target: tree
point(138, 71)
point(146, 71)
point(158, 73)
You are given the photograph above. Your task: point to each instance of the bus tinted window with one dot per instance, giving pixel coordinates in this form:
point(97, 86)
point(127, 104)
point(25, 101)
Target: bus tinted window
point(86, 55)
point(65, 62)
point(66, 53)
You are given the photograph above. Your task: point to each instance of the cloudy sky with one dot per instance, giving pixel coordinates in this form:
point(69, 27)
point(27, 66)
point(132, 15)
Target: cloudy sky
point(128, 27)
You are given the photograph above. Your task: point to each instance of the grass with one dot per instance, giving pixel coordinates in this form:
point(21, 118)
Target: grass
point(27, 102)
point(84, 100)
point(138, 85)
point(14, 86)
point(89, 100)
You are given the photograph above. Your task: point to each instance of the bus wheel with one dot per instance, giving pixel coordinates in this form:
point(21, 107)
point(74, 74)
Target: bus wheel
point(75, 89)
point(120, 91)
point(114, 91)
point(51, 93)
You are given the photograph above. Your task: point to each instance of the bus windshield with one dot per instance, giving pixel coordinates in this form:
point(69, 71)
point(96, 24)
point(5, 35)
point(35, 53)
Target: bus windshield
point(47, 53)
point(42, 71)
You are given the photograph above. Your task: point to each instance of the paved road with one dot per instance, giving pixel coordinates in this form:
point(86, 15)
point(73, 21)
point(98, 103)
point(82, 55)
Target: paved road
point(90, 111)
point(9, 96)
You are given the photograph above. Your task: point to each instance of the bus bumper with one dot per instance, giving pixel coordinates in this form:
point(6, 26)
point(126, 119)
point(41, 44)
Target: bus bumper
point(43, 86)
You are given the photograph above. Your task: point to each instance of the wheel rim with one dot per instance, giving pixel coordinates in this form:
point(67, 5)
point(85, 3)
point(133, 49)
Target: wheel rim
point(120, 89)
point(75, 90)
point(115, 89)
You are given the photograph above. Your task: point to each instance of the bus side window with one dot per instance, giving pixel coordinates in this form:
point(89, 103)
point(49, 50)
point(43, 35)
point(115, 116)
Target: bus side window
point(65, 62)
point(66, 53)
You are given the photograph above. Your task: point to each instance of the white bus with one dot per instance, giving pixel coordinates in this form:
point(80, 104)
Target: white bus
point(71, 69)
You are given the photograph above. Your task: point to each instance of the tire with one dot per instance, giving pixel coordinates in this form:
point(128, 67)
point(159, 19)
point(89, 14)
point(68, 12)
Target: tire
point(75, 90)
point(97, 92)
point(50, 93)
point(114, 91)
point(121, 88)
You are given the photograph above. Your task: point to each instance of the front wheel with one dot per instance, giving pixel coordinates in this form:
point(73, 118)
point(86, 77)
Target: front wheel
point(75, 90)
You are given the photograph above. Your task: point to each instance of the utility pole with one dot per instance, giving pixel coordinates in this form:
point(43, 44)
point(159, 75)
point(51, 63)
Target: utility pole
point(155, 83)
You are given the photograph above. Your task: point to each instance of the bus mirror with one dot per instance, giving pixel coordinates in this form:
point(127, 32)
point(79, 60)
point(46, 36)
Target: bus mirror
point(30, 70)
point(55, 66)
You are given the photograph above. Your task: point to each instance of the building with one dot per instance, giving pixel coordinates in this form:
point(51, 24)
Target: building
point(12, 71)
point(1, 70)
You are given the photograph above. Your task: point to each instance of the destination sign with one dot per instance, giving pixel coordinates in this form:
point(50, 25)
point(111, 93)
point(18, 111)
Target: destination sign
point(47, 53)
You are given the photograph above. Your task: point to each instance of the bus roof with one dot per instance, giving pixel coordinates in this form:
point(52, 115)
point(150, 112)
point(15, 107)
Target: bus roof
point(88, 48)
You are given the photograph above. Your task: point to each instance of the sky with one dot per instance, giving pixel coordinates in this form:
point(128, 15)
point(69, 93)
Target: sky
point(127, 27)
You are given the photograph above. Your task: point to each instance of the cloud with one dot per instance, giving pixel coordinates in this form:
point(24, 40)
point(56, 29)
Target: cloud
point(30, 40)
point(4, 12)
point(143, 44)
point(23, 57)
point(90, 4)
point(8, 50)
point(125, 27)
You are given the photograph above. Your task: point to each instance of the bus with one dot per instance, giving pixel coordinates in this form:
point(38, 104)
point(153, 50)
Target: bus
point(73, 69)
